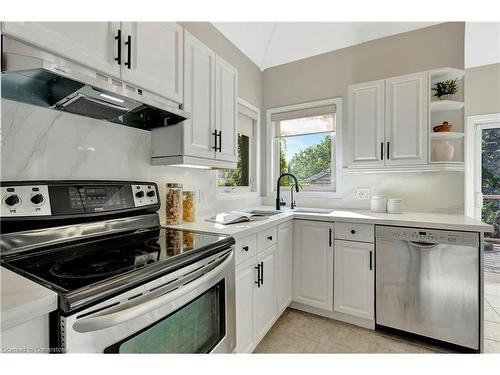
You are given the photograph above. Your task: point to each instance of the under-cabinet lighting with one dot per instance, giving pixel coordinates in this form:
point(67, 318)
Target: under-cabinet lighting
point(112, 98)
point(191, 166)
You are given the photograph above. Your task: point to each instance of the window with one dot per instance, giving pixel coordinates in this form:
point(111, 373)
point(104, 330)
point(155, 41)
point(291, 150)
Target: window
point(305, 139)
point(243, 178)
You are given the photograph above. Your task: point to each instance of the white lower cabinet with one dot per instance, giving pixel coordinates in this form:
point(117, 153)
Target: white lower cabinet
point(354, 279)
point(284, 260)
point(313, 263)
point(265, 293)
point(246, 276)
point(256, 309)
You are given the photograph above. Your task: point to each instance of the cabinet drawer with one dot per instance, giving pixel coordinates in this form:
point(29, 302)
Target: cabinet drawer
point(267, 238)
point(245, 248)
point(354, 232)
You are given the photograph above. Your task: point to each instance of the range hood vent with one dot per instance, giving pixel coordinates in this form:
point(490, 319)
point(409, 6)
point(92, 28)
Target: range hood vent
point(30, 76)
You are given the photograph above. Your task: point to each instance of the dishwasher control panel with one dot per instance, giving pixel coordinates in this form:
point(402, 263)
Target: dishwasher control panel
point(426, 235)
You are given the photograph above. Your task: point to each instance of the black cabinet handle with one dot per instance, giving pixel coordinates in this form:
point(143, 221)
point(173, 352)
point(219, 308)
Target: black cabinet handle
point(215, 135)
point(220, 141)
point(128, 43)
point(353, 231)
point(261, 273)
point(330, 237)
point(257, 267)
point(270, 238)
point(118, 59)
point(387, 150)
point(371, 260)
point(381, 150)
point(245, 248)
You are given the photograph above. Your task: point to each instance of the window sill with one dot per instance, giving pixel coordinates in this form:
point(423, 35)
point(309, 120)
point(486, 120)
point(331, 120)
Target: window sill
point(310, 194)
point(236, 194)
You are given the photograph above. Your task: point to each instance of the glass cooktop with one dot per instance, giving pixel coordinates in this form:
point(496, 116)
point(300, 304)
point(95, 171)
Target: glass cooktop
point(77, 266)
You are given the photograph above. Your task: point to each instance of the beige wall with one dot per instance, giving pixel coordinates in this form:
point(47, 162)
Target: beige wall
point(329, 75)
point(249, 74)
point(482, 89)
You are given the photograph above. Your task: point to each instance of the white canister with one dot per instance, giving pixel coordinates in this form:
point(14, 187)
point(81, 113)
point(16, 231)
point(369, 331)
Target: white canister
point(394, 206)
point(378, 203)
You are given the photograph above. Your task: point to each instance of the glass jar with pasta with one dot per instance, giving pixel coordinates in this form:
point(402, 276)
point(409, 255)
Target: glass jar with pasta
point(173, 204)
point(189, 206)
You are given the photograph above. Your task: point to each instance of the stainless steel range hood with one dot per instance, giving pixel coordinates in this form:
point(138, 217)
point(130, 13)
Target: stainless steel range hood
point(33, 76)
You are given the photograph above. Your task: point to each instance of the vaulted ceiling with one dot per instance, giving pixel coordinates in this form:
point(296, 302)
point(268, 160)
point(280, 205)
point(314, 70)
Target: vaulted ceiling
point(269, 44)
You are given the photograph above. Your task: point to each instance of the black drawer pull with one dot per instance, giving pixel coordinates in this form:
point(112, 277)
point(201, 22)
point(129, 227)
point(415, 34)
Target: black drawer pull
point(270, 238)
point(245, 248)
point(261, 273)
point(258, 282)
point(371, 261)
point(128, 43)
point(353, 231)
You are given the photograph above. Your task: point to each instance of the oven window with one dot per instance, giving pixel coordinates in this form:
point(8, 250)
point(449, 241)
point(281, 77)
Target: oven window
point(195, 328)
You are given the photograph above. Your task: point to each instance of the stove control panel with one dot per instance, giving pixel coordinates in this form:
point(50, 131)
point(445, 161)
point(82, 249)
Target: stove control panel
point(59, 199)
point(25, 200)
point(144, 195)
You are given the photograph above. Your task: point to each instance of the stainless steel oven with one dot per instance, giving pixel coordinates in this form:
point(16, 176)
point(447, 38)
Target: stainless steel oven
point(191, 310)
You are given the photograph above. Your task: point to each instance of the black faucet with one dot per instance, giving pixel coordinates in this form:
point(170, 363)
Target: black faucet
point(278, 200)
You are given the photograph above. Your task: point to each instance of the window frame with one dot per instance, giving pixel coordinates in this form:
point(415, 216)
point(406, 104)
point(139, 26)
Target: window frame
point(272, 148)
point(252, 191)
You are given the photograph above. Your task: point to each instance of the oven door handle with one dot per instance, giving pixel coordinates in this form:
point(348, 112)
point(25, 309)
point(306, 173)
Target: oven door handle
point(123, 314)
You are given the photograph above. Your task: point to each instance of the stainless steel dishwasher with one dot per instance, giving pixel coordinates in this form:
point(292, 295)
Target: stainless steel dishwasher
point(427, 283)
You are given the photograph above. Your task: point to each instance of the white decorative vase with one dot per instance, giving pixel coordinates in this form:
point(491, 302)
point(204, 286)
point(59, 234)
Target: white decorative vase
point(443, 151)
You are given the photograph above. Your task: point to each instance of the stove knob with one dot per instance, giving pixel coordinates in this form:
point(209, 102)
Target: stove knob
point(37, 199)
point(12, 200)
point(151, 193)
point(139, 194)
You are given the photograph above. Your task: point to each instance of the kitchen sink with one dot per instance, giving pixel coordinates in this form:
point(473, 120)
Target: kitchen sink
point(313, 210)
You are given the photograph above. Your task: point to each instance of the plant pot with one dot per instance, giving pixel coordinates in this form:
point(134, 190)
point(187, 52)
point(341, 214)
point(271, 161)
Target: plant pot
point(446, 97)
point(443, 151)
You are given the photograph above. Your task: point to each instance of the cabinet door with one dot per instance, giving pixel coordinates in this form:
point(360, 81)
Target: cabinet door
point(406, 119)
point(156, 50)
point(313, 263)
point(354, 280)
point(284, 265)
point(246, 275)
point(226, 109)
point(199, 98)
point(88, 43)
point(265, 296)
point(366, 107)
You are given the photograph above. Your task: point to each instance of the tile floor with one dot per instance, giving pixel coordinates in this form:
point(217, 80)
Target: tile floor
point(491, 312)
point(300, 332)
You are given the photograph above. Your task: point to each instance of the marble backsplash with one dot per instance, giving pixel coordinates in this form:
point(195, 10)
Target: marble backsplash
point(37, 143)
point(42, 144)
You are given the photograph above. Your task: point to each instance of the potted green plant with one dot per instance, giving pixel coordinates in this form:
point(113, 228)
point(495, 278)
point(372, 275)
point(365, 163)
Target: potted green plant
point(443, 90)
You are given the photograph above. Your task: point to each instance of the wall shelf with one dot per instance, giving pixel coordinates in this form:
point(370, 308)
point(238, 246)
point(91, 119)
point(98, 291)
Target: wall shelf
point(446, 73)
point(445, 136)
point(446, 105)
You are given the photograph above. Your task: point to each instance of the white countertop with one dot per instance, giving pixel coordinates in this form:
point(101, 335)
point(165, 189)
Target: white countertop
point(406, 219)
point(23, 300)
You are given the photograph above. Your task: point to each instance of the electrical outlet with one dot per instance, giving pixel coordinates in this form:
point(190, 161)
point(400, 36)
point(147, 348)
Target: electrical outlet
point(363, 193)
point(201, 196)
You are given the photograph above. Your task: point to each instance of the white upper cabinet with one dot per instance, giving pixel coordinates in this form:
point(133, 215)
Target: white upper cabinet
point(366, 123)
point(388, 122)
point(406, 119)
point(313, 263)
point(94, 44)
point(226, 110)
point(285, 265)
point(354, 279)
point(199, 98)
point(152, 57)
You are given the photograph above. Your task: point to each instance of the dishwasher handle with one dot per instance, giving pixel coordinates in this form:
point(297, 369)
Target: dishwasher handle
point(423, 245)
